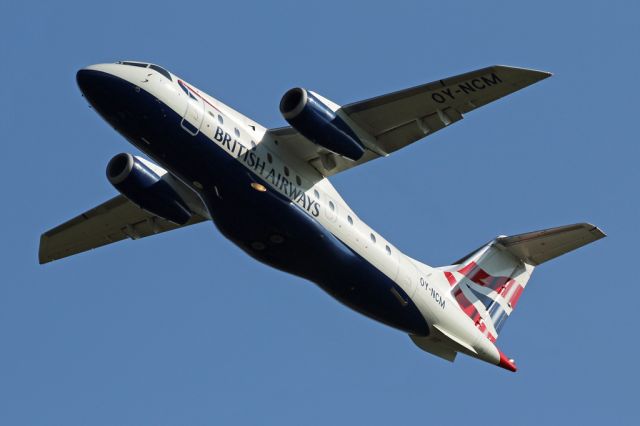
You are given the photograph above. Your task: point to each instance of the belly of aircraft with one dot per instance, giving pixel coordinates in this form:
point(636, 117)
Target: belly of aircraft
point(265, 224)
point(280, 234)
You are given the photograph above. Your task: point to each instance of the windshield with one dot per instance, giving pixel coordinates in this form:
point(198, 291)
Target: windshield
point(161, 71)
point(154, 67)
point(134, 64)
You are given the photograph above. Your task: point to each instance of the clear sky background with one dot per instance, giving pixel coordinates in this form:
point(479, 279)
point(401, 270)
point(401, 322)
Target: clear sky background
point(185, 329)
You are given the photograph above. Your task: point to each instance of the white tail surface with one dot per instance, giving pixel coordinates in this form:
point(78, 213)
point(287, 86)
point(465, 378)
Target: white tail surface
point(488, 283)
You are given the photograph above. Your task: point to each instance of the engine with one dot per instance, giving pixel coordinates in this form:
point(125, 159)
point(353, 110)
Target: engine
point(145, 188)
point(319, 123)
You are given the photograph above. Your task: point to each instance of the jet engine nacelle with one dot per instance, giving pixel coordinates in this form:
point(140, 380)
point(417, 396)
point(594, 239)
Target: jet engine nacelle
point(319, 123)
point(145, 188)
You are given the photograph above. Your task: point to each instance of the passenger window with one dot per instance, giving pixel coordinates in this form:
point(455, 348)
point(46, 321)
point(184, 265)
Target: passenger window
point(373, 238)
point(253, 145)
point(316, 194)
point(220, 119)
point(269, 158)
point(286, 171)
point(350, 220)
point(237, 132)
point(388, 250)
point(298, 180)
point(332, 206)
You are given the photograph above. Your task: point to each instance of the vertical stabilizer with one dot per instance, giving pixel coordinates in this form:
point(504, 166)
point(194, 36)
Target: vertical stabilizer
point(488, 283)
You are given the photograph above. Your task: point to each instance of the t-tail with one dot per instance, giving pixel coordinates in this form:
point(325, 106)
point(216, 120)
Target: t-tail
point(488, 283)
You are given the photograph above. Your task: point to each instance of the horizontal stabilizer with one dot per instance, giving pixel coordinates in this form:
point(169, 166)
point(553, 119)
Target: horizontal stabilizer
point(455, 341)
point(538, 247)
point(435, 347)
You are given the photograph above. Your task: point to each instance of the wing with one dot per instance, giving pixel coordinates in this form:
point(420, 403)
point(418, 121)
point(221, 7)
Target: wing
point(112, 221)
point(393, 121)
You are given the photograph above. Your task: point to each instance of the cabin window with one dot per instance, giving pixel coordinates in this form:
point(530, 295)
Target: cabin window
point(388, 249)
point(220, 119)
point(298, 180)
point(269, 158)
point(237, 132)
point(332, 206)
point(373, 238)
point(253, 145)
point(286, 171)
point(350, 220)
point(316, 194)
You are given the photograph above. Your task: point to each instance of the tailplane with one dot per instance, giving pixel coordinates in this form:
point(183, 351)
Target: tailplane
point(488, 283)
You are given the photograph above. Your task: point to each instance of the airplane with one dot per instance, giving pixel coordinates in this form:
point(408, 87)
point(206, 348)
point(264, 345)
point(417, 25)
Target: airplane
point(268, 191)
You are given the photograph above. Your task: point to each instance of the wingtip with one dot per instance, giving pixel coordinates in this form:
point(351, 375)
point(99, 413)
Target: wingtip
point(541, 75)
point(42, 258)
point(593, 229)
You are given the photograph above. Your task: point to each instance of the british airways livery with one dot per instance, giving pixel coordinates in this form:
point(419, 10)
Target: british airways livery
point(268, 191)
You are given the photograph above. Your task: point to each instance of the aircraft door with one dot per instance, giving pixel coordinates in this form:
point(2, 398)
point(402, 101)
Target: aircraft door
point(406, 277)
point(194, 114)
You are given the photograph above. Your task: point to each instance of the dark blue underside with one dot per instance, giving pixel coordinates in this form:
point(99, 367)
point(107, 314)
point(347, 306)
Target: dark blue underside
point(266, 225)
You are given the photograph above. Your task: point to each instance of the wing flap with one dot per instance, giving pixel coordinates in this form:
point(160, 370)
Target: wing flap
point(108, 223)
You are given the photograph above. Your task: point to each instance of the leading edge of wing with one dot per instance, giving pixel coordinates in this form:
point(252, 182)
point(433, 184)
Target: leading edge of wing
point(529, 75)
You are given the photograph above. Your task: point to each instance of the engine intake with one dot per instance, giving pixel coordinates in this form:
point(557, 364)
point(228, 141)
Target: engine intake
point(319, 123)
point(142, 186)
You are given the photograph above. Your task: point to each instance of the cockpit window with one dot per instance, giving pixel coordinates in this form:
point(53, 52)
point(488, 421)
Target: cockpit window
point(144, 65)
point(135, 64)
point(161, 71)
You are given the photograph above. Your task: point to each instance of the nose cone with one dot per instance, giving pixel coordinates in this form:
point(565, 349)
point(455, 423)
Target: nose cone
point(112, 96)
point(114, 92)
point(96, 85)
point(88, 79)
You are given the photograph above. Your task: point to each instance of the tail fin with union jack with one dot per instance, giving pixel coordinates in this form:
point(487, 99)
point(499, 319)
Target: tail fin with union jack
point(488, 283)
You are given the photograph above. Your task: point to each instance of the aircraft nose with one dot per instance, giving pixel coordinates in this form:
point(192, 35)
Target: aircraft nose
point(107, 93)
point(94, 85)
point(87, 78)
point(118, 99)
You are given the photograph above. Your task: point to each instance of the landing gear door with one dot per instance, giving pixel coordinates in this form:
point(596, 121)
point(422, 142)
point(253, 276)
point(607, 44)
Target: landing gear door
point(194, 114)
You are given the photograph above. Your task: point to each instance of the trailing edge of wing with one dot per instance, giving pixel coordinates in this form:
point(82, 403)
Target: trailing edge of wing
point(108, 223)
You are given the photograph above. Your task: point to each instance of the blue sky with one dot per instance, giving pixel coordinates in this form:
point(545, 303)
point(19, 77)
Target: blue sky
point(184, 328)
